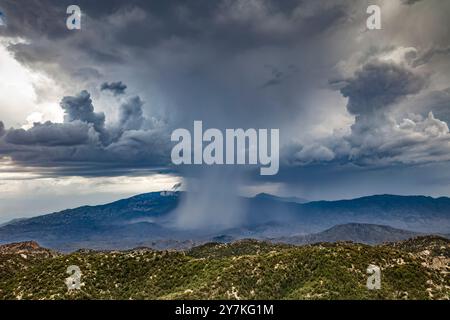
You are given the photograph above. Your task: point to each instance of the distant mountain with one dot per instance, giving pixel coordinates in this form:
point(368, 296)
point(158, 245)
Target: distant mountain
point(284, 199)
point(355, 232)
point(146, 220)
point(414, 269)
point(415, 213)
point(11, 221)
point(122, 224)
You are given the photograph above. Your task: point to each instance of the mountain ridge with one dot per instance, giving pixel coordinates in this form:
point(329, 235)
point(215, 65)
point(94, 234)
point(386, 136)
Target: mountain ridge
point(145, 220)
point(259, 195)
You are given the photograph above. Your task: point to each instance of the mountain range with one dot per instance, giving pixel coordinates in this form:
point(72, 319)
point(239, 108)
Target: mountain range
point(146, 220)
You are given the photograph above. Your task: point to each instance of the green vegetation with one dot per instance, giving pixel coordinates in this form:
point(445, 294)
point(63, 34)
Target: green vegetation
point(413, 269)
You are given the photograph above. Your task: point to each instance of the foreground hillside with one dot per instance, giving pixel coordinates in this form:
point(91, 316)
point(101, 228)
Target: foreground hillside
point(414, 269)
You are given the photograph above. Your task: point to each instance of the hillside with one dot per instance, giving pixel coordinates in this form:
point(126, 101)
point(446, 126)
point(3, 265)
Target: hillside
point(356, 232)
point(248, 269)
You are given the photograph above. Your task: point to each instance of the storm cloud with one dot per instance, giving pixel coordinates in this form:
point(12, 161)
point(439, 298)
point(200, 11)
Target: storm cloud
point(2, 129)
point(376, 137)
point(378, 85)
point(83, 141)
point(232, 64)
point(117, 88)
point(80, 108)
point(429, 54)
point(410, 2)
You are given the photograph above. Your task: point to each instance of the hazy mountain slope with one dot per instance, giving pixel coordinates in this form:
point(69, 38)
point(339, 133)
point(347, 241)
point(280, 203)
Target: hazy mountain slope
point(416, 213)
point(356, 232)
point(145, 220)
point(125, 222)
point(244, 270)
point(276, 198)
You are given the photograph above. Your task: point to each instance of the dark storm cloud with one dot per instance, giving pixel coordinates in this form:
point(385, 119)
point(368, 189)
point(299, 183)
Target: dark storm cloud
point(193, 52)
point(436, 101)
point(277, 76)
point(205, 43)
point(203, 57)
point(378, 85)
point(87, 73)
point(429, 54)
point(80, 108)
point(410, 2)
point(225, 24)
point(207, 59)
point(32, 54)
point(32, 18)
point(50, 134)
point(117, 88)
point(131, 114)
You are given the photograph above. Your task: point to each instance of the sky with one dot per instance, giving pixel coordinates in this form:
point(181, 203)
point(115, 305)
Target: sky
point(86, 115)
